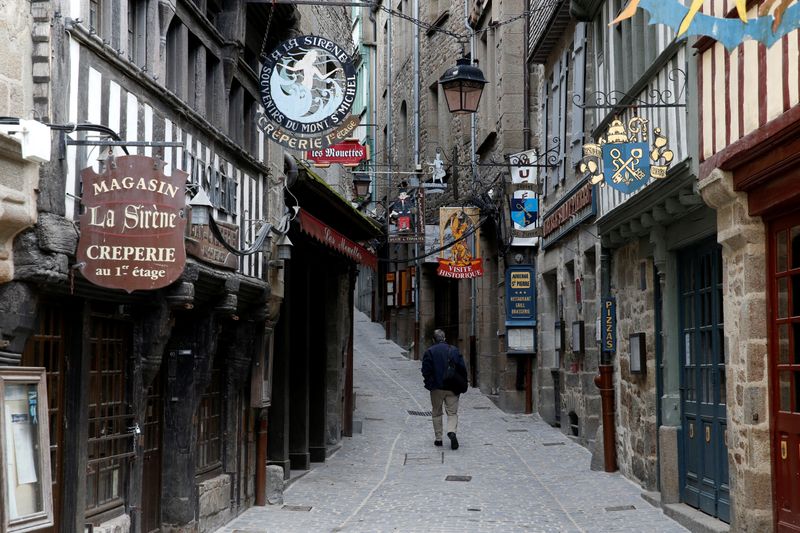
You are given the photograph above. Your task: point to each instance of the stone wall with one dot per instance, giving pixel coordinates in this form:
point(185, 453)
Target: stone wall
point(744, 264)
point(637, 435)
point(120, 524)
point(214, 508)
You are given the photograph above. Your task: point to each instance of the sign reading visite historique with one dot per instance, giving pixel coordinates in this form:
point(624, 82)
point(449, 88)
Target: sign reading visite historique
point(308, 86)
point(133, 224)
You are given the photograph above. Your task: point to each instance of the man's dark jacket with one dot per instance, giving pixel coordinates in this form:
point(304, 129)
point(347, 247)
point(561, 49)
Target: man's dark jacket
point(434, 363)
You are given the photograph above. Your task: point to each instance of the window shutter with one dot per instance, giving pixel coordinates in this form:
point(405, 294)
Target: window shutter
point(555, 123)
point(578, 88)
point(544, 94)
point(562, 116)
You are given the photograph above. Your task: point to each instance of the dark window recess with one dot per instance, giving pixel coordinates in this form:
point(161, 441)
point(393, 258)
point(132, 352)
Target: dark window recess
point(209, 424)
point(110, 442)
point(176, 68)
point(574, 426)
point(94, 15)
point(211, 86)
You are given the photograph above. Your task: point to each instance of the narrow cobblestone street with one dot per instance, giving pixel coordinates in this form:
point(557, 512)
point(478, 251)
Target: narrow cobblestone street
point(522, 474)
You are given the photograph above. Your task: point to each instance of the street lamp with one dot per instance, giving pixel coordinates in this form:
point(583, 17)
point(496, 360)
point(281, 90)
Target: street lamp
point(463, 86)
point(361, 183)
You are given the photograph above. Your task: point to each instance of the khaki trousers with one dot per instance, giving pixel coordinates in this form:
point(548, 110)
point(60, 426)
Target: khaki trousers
point(450, 400)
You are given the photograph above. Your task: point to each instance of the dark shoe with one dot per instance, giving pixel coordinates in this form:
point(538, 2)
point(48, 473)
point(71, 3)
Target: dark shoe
point(453, 440)
point(437, 443)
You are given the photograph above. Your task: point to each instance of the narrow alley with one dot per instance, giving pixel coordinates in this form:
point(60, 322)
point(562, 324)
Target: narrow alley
point(510, 473)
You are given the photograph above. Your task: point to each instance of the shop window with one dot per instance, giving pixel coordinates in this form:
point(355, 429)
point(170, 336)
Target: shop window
point(404, 292)
point(209, 424)
point(110, 443)
point(26, 503)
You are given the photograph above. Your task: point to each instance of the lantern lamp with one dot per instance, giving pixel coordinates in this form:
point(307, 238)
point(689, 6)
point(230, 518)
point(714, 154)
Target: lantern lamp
point(463, 86)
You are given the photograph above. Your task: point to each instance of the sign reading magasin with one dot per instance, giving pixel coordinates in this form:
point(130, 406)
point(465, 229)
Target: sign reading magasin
point(308, 85)
point(133, 224)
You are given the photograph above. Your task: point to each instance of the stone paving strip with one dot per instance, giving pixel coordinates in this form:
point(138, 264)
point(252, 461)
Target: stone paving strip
point(511, 472)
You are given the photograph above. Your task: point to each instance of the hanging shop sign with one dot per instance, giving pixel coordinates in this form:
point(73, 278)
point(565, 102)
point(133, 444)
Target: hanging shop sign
point(768, 28)
point(132, 228)
point(623, 158)
point(308, 86)
point(520, 296)
point(460, 257)
point(406, 224)
point(202, 244)
point(575, 207)
point(609, 325)
point(524, 199)
point(348, 154)
point(332, 238)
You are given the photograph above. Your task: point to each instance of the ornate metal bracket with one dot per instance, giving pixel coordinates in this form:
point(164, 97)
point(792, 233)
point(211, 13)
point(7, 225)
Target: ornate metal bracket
point(653, 98)
point(547, 159)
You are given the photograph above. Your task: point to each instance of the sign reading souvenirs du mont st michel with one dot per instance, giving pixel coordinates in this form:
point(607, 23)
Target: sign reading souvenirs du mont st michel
point(133, 224)
point(308, 85)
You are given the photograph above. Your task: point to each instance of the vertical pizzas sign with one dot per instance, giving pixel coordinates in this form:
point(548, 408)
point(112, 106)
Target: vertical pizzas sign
point(460, 257)
point(133, 224)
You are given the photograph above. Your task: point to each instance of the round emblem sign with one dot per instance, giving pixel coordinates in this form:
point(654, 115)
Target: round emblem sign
point(308, 85)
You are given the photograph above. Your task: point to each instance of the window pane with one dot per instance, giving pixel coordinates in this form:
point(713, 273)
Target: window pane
point(795, 295)
point(795, 240)
point(783, 297)
point(781, 259)
point(785, 388)
point(23, 483)
point(795, 342)
point(783, 344)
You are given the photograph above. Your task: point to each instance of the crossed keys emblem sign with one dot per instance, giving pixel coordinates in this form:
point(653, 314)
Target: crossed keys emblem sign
point(630, 163)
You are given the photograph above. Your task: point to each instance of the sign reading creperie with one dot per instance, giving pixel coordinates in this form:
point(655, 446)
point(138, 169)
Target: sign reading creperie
point(133, 224)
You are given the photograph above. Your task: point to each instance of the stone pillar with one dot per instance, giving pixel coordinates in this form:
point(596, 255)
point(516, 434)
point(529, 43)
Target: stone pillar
point(278, 422)
point(317, 370)
point(301, 331)
point(743, 240)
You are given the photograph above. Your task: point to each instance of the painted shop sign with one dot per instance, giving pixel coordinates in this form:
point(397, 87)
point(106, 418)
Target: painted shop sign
point(460, 257)
point(520, 296)
point(623, 159)
point(133, 224)
point(574, 208)
point(524, 199)
point(329, 236)
point(609, 325)
point(348, 153)
point(308, 86)
point(202, 244)
point(406, 225)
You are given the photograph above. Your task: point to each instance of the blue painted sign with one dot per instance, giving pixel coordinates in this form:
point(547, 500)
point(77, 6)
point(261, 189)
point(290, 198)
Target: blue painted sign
point(626, 165)
point(524, 209)
point(608, 325)
point(520, 296)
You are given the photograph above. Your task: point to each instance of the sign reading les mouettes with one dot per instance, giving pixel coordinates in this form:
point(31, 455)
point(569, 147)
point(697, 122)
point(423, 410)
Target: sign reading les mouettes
point(308, 85)
point(460, 257)
point(609, 325)
point(520, 296)
point(575, 207)
point(133, 224)
point(348, 153)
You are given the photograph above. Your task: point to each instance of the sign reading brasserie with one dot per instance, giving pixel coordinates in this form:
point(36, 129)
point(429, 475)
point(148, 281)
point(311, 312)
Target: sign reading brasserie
point(459, 237)
point(133, 224)
point(520, 295)
point(348, 154)
point(308, 85)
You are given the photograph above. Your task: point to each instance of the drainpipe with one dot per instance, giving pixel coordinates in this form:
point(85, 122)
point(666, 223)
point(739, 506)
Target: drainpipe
point(473, 349)
point(417, 272)
point(261, 460)
point(388, 149)
point(605, 380)
point(526, 91)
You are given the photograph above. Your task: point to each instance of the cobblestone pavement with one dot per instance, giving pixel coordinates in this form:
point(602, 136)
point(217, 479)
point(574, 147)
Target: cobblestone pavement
point(523, 474)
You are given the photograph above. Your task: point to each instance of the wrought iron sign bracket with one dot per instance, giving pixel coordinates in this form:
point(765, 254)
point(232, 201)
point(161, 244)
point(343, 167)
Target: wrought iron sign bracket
point(147, 144)
point(652, 99)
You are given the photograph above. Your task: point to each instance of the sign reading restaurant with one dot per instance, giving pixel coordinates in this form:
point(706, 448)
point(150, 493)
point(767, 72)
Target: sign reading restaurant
point(520, 296)
point(308, 86)
point(133, 224)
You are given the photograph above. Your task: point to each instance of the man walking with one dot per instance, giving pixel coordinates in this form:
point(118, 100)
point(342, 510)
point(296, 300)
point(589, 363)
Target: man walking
point(435, 362)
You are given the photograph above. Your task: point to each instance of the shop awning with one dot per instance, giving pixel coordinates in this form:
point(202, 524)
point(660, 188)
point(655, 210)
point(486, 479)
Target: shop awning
point(332, 238)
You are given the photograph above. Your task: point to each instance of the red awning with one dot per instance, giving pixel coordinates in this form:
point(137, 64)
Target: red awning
point(329, 236)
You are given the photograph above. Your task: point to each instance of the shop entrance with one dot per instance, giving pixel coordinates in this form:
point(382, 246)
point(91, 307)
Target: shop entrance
point(704, 458)
point(784, 362)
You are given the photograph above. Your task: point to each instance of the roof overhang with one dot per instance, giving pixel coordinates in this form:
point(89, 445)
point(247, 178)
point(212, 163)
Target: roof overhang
point(547, 29)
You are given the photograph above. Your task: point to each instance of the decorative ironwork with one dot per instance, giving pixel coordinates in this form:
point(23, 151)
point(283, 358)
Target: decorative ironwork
point(653, 98)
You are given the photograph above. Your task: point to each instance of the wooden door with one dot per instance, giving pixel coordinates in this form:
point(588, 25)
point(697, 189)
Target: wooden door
point(704, 465)
point(784, 361)
point(151, 467)
point(45, 348)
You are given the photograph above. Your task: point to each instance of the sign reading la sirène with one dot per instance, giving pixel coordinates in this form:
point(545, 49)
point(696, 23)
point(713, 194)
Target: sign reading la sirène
point(133, 224)
point(308, 86)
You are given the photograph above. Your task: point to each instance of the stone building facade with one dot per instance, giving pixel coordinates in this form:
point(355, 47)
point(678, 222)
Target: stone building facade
point(416, 126)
